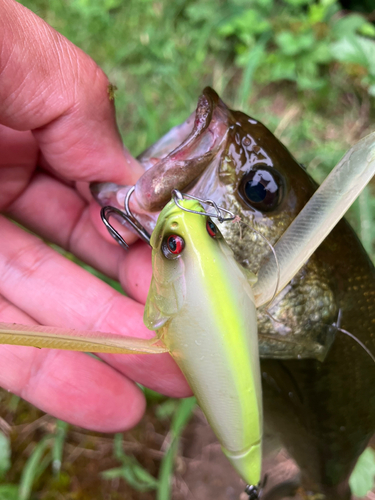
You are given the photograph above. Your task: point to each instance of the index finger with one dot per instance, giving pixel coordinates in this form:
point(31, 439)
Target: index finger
point(50, 86)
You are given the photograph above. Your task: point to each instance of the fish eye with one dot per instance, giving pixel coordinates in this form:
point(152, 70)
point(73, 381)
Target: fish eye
point(172, 246)
point(212, 229)
point(262, 189)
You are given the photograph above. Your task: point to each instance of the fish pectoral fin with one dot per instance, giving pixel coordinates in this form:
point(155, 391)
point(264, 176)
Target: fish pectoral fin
point(75, 340)
point(251, 277)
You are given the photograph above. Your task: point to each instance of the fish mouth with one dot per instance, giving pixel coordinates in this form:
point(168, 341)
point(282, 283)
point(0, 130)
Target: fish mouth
point(186, 158)
point(179, 158)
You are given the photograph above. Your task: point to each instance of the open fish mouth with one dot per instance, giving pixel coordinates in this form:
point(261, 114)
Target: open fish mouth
point(187, 158)
point(203, 138)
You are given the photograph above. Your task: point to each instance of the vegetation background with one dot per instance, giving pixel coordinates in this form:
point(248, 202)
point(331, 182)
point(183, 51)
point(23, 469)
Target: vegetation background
point(306, 69)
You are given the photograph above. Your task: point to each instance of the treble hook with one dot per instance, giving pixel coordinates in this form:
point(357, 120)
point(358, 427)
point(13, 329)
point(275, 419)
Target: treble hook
point(255, 492)
point(127, 215)
point(252, 491)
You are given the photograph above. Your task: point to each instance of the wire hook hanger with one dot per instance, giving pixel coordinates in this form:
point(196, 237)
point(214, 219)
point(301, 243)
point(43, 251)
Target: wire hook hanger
point(219, 211)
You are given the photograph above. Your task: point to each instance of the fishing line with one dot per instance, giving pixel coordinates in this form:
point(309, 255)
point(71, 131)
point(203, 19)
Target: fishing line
point(336, 327)
point(357, 340)
point(239, 221)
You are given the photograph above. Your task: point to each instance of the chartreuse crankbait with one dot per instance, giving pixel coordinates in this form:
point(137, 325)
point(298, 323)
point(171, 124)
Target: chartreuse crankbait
point(202, 306)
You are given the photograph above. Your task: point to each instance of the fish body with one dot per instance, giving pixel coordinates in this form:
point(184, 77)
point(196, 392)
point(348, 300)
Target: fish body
point(318, 385)
point(202, 306)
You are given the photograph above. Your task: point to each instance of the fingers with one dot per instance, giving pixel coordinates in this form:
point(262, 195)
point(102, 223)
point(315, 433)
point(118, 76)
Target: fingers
point(51, 87)
point(69, 385)
point(56, 292)
point(19, 152)
point(135, 271)
point(57, 213)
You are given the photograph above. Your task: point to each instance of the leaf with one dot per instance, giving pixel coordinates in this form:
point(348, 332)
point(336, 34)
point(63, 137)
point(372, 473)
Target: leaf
point(348, 25)
point(298, 3)
point(255, 57)
point(166, 409)
point(58, 445)
point(355, 49)
point(131, 470)
point(32, 468)
point(134, 474)
point(367, 29)
point(8, 492)
point(5, 453)
point(180, 420)
point(291, 44)
point(362, 479)
point(248, 22)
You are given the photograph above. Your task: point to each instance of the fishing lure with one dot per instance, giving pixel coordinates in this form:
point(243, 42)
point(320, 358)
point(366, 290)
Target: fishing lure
point(202, 306)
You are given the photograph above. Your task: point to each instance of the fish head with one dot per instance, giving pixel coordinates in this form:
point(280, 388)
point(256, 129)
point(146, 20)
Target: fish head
point(234, 160)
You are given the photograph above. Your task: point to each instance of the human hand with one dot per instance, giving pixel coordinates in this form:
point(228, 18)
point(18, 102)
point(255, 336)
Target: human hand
point(57, 128)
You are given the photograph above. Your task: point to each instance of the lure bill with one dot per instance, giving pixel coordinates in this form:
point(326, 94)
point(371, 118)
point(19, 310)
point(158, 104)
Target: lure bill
point(202, 306)
point(74, 340)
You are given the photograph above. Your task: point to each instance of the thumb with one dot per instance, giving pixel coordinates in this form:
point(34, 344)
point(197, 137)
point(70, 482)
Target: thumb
point(51, 87)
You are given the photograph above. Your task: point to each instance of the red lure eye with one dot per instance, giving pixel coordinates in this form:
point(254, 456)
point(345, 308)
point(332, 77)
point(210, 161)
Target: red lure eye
point(211, 229)
point(175, 244)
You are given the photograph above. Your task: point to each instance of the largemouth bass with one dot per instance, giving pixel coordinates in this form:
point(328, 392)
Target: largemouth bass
point(318, 386)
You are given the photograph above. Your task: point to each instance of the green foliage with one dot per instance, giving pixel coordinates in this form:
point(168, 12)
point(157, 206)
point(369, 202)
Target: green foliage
point(304, 38)
point(161, 54)
point(58, 445)
point(362, 479)
point(47, 451)
point(130, 470)
point(8, 492)
point(34, 468)
point(359, 55)
point(180, 419)
point(5, 455)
